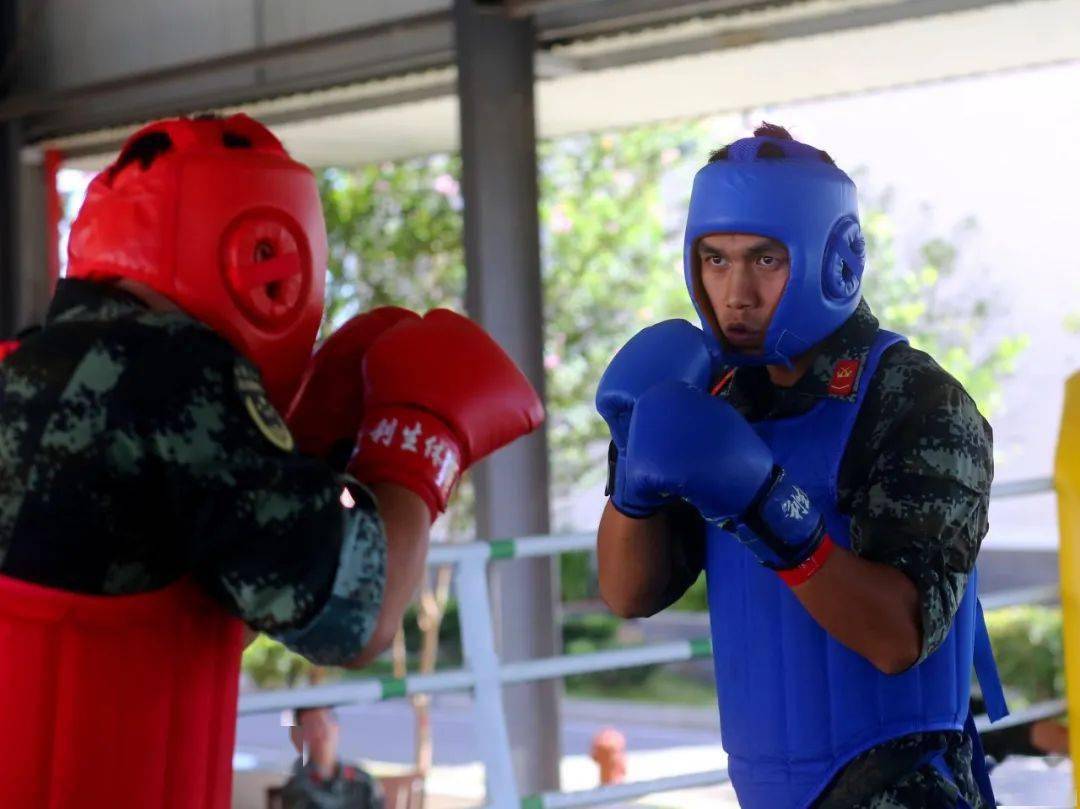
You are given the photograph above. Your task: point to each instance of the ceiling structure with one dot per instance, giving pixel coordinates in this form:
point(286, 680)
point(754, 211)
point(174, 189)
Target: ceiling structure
point(346, 89)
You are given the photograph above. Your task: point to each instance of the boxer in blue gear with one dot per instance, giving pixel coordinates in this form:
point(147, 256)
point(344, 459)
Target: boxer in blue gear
point(828, 661)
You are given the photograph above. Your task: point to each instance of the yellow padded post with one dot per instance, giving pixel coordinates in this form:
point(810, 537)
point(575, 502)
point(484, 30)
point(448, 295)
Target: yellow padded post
point(1067, 483)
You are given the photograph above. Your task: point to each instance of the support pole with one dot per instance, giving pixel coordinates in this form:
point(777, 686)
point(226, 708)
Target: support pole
point(25, 188)
point(9, 189)
point(503, 293)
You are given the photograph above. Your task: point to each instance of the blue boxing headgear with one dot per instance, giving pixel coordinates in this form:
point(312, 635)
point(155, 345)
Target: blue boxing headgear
point(790, 192)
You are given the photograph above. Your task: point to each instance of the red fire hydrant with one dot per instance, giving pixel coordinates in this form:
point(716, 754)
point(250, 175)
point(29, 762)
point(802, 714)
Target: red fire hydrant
point(609, 752)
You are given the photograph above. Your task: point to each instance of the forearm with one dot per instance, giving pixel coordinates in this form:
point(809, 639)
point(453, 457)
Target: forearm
point(635, 562)
point(407, 522)
point(869, 607)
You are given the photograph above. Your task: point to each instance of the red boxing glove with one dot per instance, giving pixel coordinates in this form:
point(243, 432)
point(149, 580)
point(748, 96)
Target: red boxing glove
point(439, 395)
point(7, 347)
point(326, 413)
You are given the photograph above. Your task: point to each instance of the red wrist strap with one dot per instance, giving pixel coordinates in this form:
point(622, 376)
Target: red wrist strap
point(411, 448)
point(795, 576)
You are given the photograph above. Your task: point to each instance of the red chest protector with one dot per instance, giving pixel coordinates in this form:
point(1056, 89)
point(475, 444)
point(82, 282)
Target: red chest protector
point(116, 702)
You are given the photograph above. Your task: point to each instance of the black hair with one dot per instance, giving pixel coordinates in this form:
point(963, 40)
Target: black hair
point(299, 712)
point(767, 150)
point(767, 130)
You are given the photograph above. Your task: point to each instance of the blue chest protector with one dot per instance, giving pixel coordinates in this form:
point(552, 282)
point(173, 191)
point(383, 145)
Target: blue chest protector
point(796, 705)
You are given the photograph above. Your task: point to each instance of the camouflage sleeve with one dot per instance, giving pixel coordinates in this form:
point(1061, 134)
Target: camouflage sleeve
point(265, 527)
point(924, 505)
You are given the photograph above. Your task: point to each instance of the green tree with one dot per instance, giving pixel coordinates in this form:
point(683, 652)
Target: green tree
point(611, 261)
point(1029, 647)
point(395, 236)
point(394, 231)
point(609, 258)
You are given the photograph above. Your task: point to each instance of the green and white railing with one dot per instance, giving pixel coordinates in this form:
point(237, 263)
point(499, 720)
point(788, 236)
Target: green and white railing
point(485, 675)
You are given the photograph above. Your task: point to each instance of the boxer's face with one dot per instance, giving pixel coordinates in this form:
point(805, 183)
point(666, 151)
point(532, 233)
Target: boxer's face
point(317, 729)
point(743, 277)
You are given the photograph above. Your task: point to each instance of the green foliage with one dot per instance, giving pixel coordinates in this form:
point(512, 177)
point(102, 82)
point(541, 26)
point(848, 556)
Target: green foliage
point(918, 300)
point(1029, 649)
point(594, 632)
point(395, 236)
point(653, 683)
point(663, 687)
point(450, 653)
point(394, 231)
point(695, 599)
point(576, 576)
point(271, 665)
point(609, 260)
point(610, 267)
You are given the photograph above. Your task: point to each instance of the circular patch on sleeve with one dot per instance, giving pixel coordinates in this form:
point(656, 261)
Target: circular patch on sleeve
point(266, 417)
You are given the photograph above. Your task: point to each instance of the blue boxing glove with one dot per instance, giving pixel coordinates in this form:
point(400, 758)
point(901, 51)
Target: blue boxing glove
point(671, 350)
point(686, 444)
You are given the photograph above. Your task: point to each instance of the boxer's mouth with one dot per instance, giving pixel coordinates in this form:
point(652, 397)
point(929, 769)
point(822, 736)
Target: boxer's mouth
point(742, 336)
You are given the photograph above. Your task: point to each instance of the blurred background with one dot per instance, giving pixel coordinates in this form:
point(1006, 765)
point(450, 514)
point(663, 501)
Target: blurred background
point(959, 121)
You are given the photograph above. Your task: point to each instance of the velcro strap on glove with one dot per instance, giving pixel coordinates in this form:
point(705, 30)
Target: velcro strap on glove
point(411, 448)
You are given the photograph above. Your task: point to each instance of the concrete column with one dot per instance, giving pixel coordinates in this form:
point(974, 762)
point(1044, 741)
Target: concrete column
point(502, 253)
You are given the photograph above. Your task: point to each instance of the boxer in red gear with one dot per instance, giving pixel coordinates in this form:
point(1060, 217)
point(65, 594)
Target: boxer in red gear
point(152, 498)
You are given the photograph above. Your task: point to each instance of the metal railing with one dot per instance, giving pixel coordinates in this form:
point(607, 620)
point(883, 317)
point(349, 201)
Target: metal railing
point(485, 675)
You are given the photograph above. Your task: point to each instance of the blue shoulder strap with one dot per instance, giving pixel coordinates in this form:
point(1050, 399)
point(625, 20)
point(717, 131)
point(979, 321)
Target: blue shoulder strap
point(994, 699)
point(979, 770)
point(986, 669)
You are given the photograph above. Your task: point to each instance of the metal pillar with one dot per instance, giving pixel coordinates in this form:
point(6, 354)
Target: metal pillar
point(502, 253)
point(36, 239)
point(25, 232)
point(10, 316)
point(9, 169)
point(25, 282)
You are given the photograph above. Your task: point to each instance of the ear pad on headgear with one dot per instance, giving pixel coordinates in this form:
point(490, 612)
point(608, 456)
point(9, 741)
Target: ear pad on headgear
point(845, 258)
point(265, 264)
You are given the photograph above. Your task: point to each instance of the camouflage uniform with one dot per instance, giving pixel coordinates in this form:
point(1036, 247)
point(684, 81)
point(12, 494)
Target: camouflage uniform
point(915, 479)
point(348, 788)
point(137, 447)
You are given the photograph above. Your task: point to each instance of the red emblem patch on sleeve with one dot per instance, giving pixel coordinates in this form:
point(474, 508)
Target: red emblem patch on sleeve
point(845, 372)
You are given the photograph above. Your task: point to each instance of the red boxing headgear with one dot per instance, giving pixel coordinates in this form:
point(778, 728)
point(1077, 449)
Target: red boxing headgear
point(215, 215)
